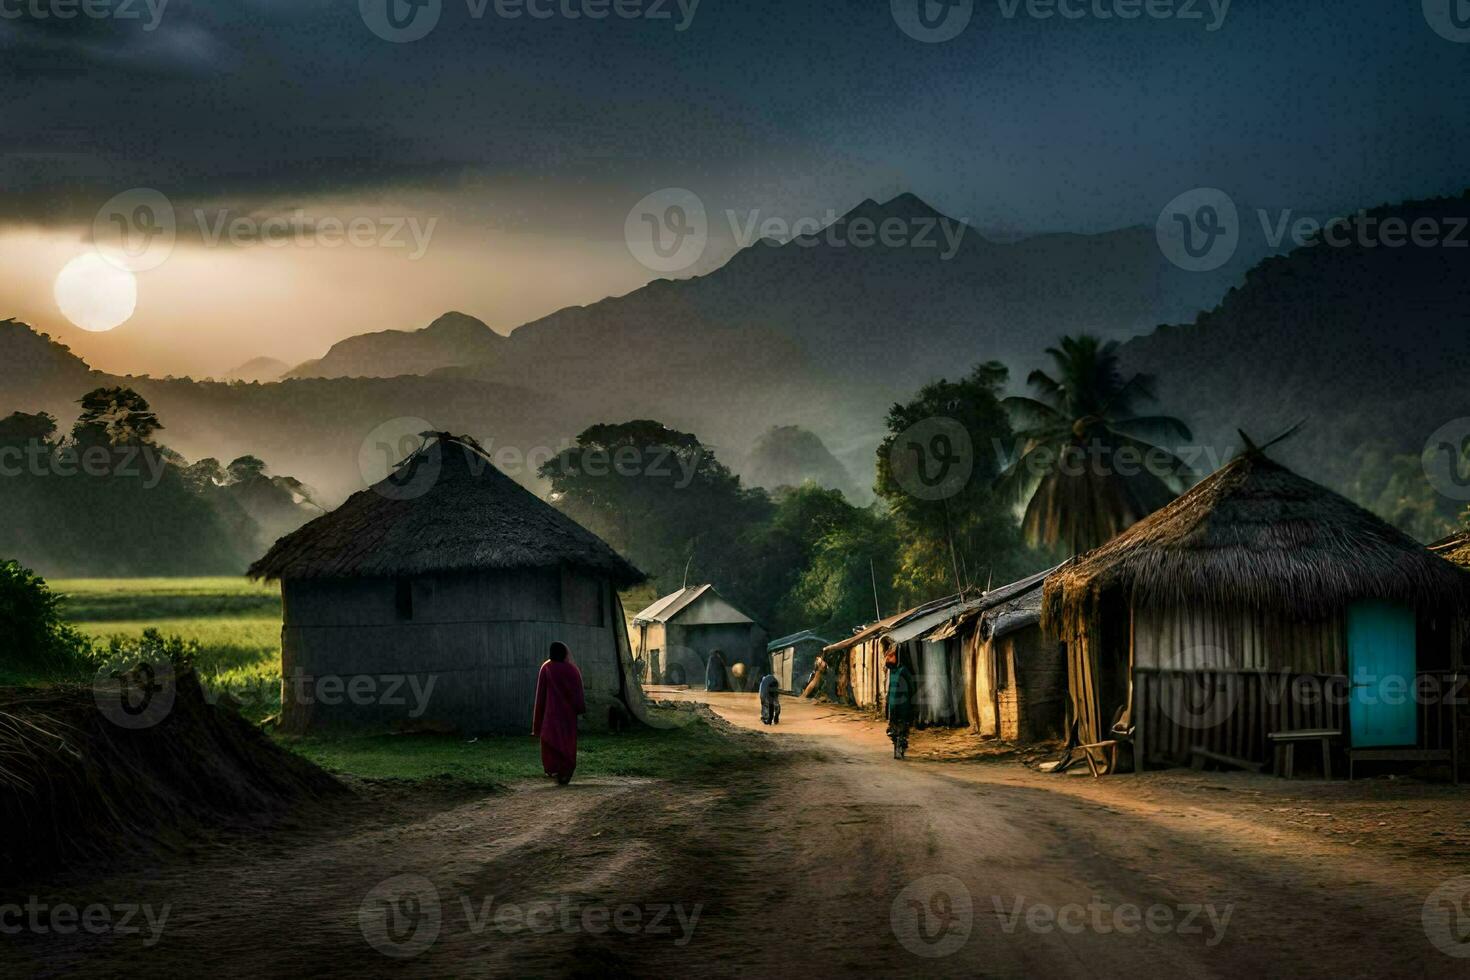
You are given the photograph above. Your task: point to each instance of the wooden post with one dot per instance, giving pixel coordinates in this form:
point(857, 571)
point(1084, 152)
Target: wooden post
point(1140, 714)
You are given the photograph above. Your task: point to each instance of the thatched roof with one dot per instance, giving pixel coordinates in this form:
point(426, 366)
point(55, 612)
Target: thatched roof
point(1255, 534)
point(446, 508)
point(1455, 548)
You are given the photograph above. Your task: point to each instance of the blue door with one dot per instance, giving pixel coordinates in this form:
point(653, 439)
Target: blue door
point(1381, 666)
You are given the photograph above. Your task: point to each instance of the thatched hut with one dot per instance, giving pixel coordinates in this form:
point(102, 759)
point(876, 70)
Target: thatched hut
point(1243, 609)
point(431, 599)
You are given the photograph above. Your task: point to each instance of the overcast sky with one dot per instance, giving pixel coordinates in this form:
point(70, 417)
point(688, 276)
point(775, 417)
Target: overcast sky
point(526, 140)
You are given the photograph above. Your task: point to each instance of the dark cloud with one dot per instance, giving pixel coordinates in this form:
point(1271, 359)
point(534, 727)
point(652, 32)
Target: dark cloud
point(1029, 123)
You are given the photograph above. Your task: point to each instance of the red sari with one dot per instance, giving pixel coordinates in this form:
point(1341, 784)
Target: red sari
point(559, 700)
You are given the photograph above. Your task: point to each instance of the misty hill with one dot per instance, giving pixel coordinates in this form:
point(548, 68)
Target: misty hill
point(453, 338)
point(1369, 343)
point(788, 456)
point(258, 369)
point(893, 290)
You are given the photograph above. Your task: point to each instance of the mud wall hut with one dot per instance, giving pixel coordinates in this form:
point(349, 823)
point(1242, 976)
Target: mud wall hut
point(1259, 602)
point(431, 598)
point(675, 636)
point(1016, 677)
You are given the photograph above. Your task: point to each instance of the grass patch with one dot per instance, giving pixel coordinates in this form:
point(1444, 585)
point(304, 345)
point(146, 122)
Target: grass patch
point(137, 599)
point(498, 759)
point(232, 625)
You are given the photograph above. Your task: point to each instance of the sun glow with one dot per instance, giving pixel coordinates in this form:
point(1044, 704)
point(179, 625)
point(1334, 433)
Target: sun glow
point(94, 294)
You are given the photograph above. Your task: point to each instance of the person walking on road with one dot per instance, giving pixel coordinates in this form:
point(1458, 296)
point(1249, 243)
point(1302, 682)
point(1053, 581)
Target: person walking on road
point(559, 700)
point(901, 689)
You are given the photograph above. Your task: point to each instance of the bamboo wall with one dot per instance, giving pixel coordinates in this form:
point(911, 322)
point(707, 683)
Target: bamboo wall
point(480, 638)
point(1031, 687)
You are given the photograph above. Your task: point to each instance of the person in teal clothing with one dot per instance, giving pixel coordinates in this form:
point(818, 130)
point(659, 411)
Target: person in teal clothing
point(901, 690)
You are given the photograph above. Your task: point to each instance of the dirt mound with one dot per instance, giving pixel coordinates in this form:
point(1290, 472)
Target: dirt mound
point(89, 773)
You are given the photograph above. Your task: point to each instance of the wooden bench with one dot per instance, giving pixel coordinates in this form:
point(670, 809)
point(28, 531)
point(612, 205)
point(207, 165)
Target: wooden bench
point(1404, 755)
point(1286, 743)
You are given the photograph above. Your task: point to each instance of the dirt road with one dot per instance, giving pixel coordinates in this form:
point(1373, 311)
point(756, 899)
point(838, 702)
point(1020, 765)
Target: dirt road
point(821, 856)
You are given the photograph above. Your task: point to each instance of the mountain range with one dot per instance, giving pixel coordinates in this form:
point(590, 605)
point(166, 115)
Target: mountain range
point(824, 333)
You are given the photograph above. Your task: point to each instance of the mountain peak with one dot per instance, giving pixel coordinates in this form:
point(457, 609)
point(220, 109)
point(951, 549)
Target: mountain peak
point(456, 322)
point(906, 206)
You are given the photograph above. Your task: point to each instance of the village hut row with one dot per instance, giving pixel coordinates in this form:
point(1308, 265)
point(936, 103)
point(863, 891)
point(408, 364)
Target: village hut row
point(980, 663)
point(1256, 608)
point(431, 598)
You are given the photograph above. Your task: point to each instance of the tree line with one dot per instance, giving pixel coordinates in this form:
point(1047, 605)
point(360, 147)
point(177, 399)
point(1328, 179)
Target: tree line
point(108, 499)
point(973, 489)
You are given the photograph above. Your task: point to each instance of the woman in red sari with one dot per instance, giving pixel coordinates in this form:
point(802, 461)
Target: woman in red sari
point(559, 700)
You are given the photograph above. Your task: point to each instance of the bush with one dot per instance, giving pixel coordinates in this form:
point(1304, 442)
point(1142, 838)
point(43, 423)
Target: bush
point(34, 640)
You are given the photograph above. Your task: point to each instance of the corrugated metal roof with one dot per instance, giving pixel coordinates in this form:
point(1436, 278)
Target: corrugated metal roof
point(671, 605)
point(666, 607)
point(886, 624)
point(947, 621)
point(794, 638)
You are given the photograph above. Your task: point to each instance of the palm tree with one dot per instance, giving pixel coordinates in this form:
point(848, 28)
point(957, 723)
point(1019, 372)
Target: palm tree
point(1087, 465)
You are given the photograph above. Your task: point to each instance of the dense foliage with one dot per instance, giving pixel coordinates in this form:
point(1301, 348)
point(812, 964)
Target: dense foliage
point(109, 500)
point(35, 639)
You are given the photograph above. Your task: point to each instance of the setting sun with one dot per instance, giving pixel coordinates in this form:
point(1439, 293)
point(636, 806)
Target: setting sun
point(94, 294)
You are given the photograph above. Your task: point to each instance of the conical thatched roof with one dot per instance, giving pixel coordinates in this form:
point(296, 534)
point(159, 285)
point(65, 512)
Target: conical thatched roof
point(446, 508)
point(1256, 534)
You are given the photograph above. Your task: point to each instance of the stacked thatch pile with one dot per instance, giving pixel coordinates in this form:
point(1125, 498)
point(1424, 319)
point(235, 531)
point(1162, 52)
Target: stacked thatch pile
point(75, 785)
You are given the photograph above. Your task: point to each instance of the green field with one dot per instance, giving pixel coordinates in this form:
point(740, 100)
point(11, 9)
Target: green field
point(234, 626)
point(235, 623)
